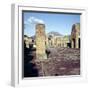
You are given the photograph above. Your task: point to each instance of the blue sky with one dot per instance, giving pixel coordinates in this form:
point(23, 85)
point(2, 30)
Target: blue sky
point(57, 22)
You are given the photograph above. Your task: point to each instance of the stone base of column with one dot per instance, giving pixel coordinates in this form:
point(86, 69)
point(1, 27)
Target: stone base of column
point(72, 44)
point(41, 56)
point(76, 44)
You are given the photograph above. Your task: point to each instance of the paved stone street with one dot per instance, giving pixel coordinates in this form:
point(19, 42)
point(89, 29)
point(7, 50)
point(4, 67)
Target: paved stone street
point(61, 61)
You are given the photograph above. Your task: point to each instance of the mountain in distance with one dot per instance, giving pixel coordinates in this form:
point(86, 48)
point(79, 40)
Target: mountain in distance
point(33, 37)
point(53, 33)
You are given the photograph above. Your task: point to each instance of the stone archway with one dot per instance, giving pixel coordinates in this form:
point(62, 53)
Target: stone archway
point(73, 43)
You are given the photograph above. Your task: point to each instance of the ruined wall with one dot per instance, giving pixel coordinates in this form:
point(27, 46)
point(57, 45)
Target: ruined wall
point(57, 41)
point(27, 41)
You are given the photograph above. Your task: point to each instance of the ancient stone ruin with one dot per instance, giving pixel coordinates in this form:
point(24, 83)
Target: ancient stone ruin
point(58, 41)
point(75, 36)
point(62, 59)
point(40, 42)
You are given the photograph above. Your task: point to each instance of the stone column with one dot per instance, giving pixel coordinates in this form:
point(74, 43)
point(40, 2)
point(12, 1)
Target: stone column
point(53, 41)
point(40, 42)
point(76, 43)
point(72, 44)
point(65, 45)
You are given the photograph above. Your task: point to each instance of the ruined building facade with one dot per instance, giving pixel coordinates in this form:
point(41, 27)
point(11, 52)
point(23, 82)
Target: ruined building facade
point(27, 41)
point(58, 41)
point(75, 36)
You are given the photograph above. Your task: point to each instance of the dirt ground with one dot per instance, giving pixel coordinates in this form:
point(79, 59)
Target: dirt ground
point(60, 62)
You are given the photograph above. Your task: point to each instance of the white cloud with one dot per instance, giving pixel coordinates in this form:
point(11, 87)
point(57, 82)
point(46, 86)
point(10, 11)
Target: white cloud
point(29, 25)
point(34, 20)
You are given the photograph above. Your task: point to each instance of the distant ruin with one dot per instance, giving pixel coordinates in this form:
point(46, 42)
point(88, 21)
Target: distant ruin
point(58, 41)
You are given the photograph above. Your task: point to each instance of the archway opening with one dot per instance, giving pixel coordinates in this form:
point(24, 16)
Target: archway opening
point(79, 42)
point(74, 43)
